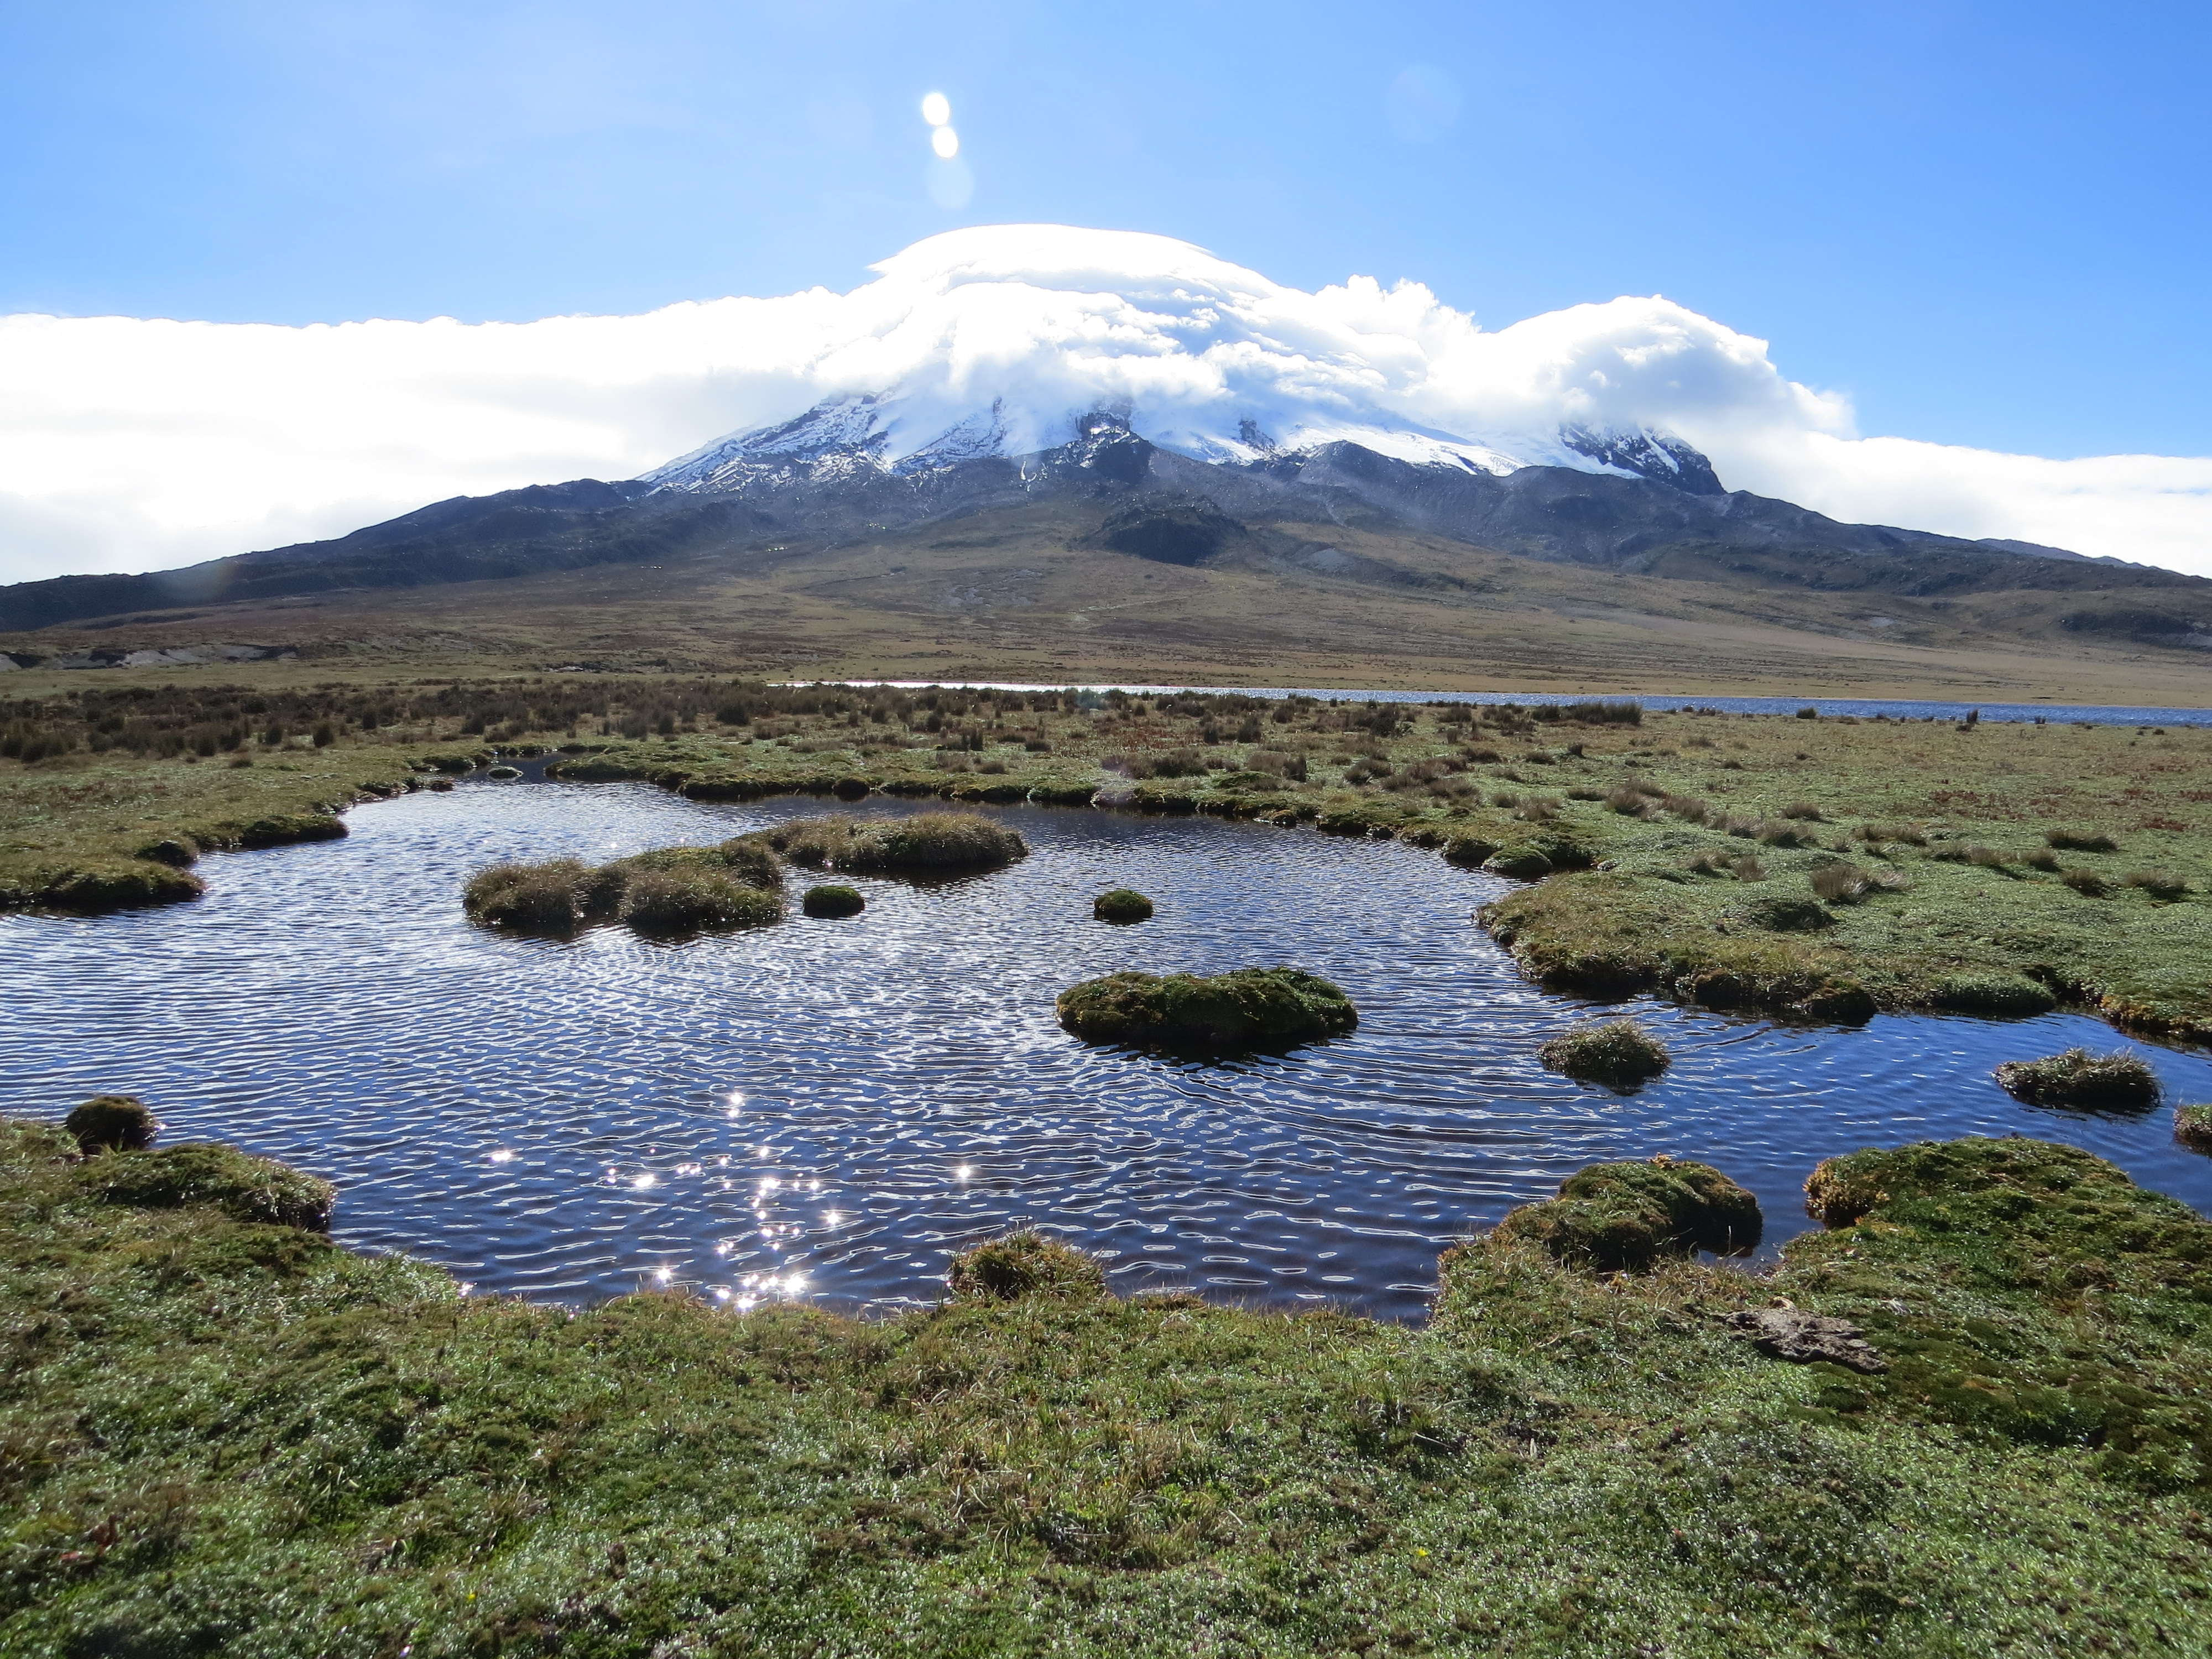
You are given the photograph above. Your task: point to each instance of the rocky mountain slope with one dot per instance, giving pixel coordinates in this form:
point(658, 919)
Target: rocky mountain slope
point(1639, 502)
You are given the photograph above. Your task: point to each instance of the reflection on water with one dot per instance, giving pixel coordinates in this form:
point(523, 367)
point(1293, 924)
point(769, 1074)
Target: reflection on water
point(831, 1108)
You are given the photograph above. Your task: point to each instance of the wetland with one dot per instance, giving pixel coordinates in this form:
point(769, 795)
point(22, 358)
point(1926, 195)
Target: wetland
point(804, 1286)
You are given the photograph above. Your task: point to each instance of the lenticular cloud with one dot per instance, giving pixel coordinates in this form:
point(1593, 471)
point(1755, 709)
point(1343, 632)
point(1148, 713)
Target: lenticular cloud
point(129, 444)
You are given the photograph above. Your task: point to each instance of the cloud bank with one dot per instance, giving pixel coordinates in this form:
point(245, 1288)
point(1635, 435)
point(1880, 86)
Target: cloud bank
point(130, 445)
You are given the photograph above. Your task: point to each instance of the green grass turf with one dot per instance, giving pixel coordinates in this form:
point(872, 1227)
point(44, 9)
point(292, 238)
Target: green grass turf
point(221, 1437)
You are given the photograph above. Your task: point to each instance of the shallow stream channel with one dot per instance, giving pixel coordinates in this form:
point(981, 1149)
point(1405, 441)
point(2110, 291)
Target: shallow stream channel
point(827, 1109)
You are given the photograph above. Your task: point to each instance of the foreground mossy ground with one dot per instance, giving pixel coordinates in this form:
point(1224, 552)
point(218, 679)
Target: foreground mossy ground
point(221, 1437)
point(1830, 866)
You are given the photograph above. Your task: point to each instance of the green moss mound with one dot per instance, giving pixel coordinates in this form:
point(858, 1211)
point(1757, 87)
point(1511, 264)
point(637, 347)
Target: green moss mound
point(1250, 1008)
point(1627, 1218)
point(1122, 906)
point(2192, 1128)
point(2001, 996)
point(109, 885)
point(669, 892)
point(1519, 862)
point(112, 1123)
point(927, 844)
point(832, 901)
point(1025, 1264)
point(1618, 1053)
point(2118, 1081)
point(244, 1187)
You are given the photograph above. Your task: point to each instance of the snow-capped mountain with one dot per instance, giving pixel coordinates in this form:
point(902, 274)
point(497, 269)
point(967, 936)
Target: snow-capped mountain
point(867, 435)
point(999, 342)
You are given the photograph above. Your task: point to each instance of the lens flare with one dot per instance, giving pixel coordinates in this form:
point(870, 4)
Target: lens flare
point(937, 109)
point(946, 142)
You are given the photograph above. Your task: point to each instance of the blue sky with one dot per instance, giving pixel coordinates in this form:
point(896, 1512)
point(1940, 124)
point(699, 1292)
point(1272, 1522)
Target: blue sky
point(1986, 224)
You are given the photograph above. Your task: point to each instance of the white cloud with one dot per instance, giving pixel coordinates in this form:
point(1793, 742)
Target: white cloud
point(129, 444)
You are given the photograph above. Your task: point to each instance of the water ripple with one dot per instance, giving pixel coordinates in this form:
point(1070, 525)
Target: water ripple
point(829, 1109)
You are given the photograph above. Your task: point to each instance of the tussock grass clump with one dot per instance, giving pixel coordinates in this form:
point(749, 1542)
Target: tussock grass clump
point(2162, 885)
point(1618, 1053)
point(528, 898)
point(1246, 1008)
point(699, 900)
point(669, 891)
point(2082, 841)
point(2119, 1082)
point(1122, 906)
point(927, 844)
point(2192, 1128)
point(244, 1187)
point(1626, 1218)
point(2005, 996)
point(2087, 882)
point(1025, 1264)
point(1841, 883)
point(1786, 913)
point(112, 1123)
point(832, 901)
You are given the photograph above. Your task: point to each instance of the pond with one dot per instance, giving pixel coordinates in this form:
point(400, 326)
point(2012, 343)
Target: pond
point(828, 1108)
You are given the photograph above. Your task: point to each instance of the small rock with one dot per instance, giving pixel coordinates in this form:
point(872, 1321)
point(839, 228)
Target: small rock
point(1794, 1335)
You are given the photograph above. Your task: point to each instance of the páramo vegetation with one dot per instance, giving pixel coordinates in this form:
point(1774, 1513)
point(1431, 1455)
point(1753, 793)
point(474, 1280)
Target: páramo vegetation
point(2122, 1081)
point(1617, 1053)
point(235, 1436)
point(1122, 906)
point(1249, 1008)
point(1614, 1218)
point(672, 891)
point(924, 844)
point(831, 900)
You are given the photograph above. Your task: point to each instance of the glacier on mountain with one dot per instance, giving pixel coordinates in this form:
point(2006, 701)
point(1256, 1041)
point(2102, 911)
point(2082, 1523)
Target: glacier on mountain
point(998, 341)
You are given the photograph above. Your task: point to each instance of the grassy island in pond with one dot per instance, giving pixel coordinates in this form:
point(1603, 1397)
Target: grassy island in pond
point(1122, 906)
point(672, 890)
point(1249, 1008)
point(1617, 1053)
point(233, 1437)
point(925, 844)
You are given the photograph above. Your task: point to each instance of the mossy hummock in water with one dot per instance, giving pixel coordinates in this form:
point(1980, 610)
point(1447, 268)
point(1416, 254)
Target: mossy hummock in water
point(2120, 1082)
point(832, 901)
point(1618, 1053)
point(112, 1123)
point(2192, 1128)
point(925, 844)
point(670, 891)
point(1122, 906)
point(1627, 1217)
point(1025, 1264)
point(1254, 1008)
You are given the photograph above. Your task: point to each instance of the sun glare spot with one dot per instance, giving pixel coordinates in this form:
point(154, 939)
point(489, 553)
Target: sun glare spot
point(643, 1182)
point(502, 1156)
point(937, 109)
point(946, 142)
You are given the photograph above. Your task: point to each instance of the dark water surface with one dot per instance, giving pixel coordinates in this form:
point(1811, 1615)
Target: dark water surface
point(828, 1108)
